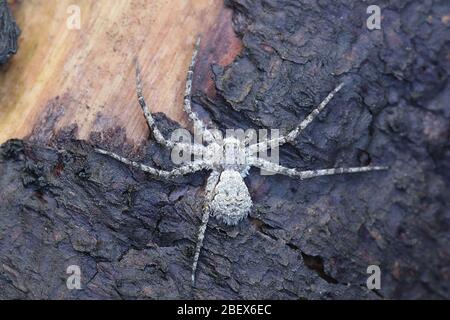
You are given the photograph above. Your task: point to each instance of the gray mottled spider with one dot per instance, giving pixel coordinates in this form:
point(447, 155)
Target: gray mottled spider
point(226, 196)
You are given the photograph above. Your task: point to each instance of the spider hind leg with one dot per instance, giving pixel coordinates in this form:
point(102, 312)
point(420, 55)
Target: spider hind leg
point(209, 193)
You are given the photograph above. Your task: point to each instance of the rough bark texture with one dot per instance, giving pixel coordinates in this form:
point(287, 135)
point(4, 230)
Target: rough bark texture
point(133, 235)
point(9, 33)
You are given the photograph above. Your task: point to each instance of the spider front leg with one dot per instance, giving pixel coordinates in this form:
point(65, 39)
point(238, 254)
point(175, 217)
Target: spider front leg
point(196, 149)
point(276, 168)
point(180, 171)
point(199, 126)
point(148, 116)
point(262, 146)
point(213, 179)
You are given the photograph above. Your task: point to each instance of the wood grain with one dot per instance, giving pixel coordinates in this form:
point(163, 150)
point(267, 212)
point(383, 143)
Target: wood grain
point(90, 73)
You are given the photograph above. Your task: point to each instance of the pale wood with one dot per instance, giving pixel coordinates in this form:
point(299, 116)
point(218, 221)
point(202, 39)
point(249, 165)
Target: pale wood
point(92, 70)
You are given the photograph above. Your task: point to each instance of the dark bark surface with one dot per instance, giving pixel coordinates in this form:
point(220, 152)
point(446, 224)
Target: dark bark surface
point(9, 33)
point(133, 235)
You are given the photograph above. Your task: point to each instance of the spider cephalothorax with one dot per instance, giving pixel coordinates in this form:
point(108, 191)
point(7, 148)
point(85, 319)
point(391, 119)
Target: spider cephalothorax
point(230, 153)
point(227, 198)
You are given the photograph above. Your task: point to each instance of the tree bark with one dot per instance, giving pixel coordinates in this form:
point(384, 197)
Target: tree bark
point(133, 236)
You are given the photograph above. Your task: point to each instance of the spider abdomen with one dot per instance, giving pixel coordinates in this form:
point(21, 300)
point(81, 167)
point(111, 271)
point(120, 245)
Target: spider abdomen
point(231, 202)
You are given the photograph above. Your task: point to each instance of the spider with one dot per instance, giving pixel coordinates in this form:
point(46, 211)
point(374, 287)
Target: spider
point(227, 197)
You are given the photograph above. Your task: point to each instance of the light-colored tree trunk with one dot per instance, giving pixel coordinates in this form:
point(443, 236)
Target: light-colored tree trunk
point(89, 72)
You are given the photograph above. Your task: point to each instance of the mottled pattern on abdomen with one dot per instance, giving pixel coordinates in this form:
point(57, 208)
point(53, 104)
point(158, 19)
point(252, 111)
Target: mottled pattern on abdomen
point(231, 202)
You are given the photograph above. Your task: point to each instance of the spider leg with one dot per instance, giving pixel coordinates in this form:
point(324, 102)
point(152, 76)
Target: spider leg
point(209, 193)
point(196, 149)
point(180, 171)
point(302, 126)
point(199, 126)
point(250, 138)
point(273, 167)
point(150, 120)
